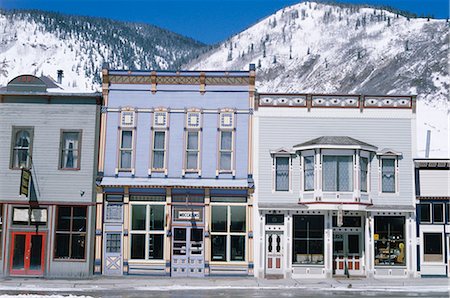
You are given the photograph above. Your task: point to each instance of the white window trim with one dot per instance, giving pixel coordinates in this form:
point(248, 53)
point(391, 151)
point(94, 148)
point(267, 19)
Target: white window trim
point(119, 159)
point(274, 173)
point(219, 151)
point(303, 180)
point(338, 153)
point(159, 128)
point(228, 233)
point(147, 231)
point(431, 230)
point(443, 213)
point(380, 175)
point(368, 186)
point(186, 150)
point(430, 214)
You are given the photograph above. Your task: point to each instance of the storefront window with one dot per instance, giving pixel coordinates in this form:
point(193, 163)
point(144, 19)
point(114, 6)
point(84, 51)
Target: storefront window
point(308, 244)
point(147, 231)
point(228, 232)
point(70, 232)
point(432, 247)
point(389, 236)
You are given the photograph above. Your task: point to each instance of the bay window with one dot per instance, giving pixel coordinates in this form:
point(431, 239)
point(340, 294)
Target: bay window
point(147, 231)
point(308, 168)
point(308, 239)
point(228, 232)
point(363, 170)
point(337, 173)
point(389, 236)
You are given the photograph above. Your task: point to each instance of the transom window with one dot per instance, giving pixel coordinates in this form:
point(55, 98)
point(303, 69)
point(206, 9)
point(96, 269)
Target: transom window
point(70, 150)
point(337, 173)
point(228, 233)
point(70, 235)
point(147, 231)
point(282, 173)
point(21, 147)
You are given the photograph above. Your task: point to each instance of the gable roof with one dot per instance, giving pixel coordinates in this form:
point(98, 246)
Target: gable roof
point(335, 141)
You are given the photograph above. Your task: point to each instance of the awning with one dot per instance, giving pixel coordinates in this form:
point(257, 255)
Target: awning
point(177, 182)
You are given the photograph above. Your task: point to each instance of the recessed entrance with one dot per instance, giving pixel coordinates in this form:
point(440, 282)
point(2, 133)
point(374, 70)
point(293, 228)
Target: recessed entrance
point(27, 253)
point(347, 254)
point(274, 253)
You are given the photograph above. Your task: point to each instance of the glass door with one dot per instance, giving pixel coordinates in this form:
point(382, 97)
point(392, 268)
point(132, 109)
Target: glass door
point(27, 256)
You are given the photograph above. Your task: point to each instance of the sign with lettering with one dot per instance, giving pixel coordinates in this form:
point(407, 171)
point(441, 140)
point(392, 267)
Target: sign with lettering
point(189, 215)
point(25, 179)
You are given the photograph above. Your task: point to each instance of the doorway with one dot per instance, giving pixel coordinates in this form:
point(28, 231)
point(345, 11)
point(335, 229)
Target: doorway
point(274, 253)
point(188, 252)
point(347, 254)
point(27, 253)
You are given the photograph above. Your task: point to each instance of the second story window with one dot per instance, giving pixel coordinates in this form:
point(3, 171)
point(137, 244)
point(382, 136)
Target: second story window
point(70, 150)
point(159, 149)
point(226, 142)
point(364, 169)
point(282, 173)
point(308, 168)
point(337, 173)
point(159, 146)
point(388, 180)
point(21, 147)
point(126, 149)
point(192, 150)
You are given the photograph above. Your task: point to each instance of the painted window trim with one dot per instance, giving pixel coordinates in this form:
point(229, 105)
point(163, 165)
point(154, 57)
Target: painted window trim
point(430, 213)
point(380, 175)
point(228, 233)
point(15, 130)
point(61, 155)
point(443, 213)
point(368, 175)
point(186, 150)
point(303, 172)
point(322, 155)
point(147, 230)
point(422, 244)
point(133, 135)
point(159, 128)
point(232, 129)
point(274, 173)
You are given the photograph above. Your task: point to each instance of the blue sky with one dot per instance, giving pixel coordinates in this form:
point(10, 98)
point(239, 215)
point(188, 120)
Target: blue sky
point(209, 21)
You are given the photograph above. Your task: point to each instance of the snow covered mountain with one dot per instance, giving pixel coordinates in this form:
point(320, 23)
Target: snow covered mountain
point(40, 43)
point(316, 47)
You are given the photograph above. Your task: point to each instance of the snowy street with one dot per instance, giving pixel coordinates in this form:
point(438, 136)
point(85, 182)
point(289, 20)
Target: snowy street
point(222, 287)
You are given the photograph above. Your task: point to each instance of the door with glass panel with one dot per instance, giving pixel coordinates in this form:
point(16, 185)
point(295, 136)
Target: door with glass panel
point(27, 253)
point(188, 252)
point(113, 253)
point(347, 254)
point(274, 253)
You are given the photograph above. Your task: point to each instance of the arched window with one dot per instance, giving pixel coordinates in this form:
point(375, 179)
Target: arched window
point(21, 147)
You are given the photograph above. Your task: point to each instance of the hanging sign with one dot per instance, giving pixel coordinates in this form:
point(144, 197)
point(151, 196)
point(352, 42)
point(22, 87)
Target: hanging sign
point(25, 180)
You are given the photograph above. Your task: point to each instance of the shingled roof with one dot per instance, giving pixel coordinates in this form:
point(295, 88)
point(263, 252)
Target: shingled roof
point(335, 141)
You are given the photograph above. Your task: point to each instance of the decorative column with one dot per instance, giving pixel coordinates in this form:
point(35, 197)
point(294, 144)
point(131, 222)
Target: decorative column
point(98, 232)
point(125, 228)
point(207, 219)
point(168, 241)
point(328, 258)
point(251, 264)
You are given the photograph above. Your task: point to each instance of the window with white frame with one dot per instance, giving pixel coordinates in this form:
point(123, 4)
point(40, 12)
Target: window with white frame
point(438, 213)
point(126, 149)
point(282, 169)
point(308, 169)
point(432, 247)
point(147, 231)
point(388, 175)
point(424, 210)
point(159, 147)
point(228, 233)
point(364, 173)
point(226, 129)
point(337, 173)
point(192, 150)
point(22, 140)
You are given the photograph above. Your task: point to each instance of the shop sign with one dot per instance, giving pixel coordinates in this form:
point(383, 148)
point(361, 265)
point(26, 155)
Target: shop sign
point(189, 215)
point(25, 179)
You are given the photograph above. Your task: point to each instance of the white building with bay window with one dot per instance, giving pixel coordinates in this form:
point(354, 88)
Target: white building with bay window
point(334, 185)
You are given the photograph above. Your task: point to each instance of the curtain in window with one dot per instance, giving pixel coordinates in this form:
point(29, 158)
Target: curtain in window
point(345, 173)
point(309, 172)
point(329, 168)
point(21, 148)
point(282, 174)
point(388, 175)
point(70, 147)
point(158, 153)
point(363, 164)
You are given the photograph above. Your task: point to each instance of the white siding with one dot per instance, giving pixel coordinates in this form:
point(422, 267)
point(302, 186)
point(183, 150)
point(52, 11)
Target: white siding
point(434, 182)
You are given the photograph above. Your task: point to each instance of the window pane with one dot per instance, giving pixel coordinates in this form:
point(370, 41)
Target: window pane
point(432, 247)
point(62, 243)
point(79, 219)
point(192, 141)
point(237, 218)
point(69, 154)
point(113, 242)
point(159, 140)
point(329, 175)
point(308, 244)
point(127, 139)
point(388, 175)
point(364, 164)
point(22, 139)
point(63, 219)
point(225, 161)
point(138, 217)
point(424, 210)
point(353, 244)
point(192, 160)
point(157, 217)
point(282, 174)
point(237, 248)
point(309, 172)
point(226, 140)
point(125, 159)
point(219, 219)
point(137, 246)
point(390, 247)
point(345, 173)
point(438, 212)
point(218, 247)
point(78, 246)
point(158, 159)
point(155, 246)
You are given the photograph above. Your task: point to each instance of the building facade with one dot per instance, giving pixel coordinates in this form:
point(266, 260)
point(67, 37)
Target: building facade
point(53, 136)
point(175, 173)
point(433, 216)
point(334, 185)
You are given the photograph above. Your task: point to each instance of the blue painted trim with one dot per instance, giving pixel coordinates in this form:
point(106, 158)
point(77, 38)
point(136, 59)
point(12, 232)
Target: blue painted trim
point(98, 262)
point(251, 265)
point(125, 232)
point(168, 264)
point(250, 235)
point(125, 263)
point(98, 232)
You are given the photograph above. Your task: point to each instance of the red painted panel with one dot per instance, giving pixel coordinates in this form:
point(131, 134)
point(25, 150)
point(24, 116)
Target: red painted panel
point(269, 263)
point(350, 265)
point(341, 265)
point(278, 263)
point(357, 265)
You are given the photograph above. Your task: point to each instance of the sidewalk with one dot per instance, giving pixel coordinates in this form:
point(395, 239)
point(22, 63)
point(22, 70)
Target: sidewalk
point(150, 284)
